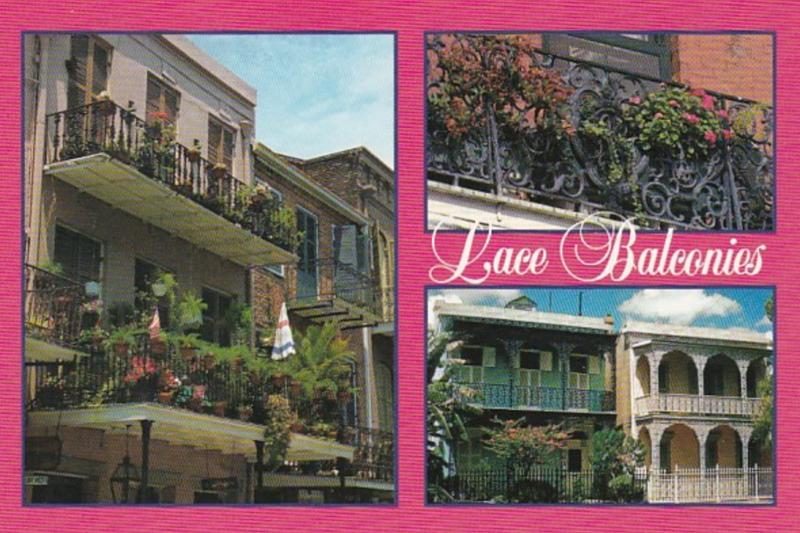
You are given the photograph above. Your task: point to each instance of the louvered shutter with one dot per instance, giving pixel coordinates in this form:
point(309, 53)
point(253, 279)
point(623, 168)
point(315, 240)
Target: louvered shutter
point(78, 75)
point(489, 356)
point(546, 361)
point(594, 364)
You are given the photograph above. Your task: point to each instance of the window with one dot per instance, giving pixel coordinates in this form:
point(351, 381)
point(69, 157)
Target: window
point(216, 327)
point(220, 143)
point(145, 274)
point(278, 270)
point(529, 359)
point(161, 98)
point(79, 256)
point(472, 355)
point(579, 365)
point(307, 254)
point(575, 460)
point(641, 54)
point(59, 489)
point(87, 68)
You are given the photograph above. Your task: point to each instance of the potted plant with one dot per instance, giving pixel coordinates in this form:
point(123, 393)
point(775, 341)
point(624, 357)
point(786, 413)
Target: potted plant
point(298, 426)
point(198, 402)
point(190, 311)
point(295, 387)
point(93, 337)
point(188, 346)
point(142, 378)
point(194, 151)
point(245, 412)
point(156, 125)
point(168, 385)
point(121, 339)
point(104, 103)
point(158, 345)
point(210, 357)
point(219, 171)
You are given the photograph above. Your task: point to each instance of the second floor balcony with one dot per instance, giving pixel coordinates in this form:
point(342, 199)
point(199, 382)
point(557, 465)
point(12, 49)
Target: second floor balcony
point(328, 289)
point(506, 119)
point(134, 165)
point(510, 396)
point(53, 309)
point(693, 404)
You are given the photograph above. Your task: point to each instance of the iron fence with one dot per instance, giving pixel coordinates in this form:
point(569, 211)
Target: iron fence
point(731, 187)
point(499, 395)
point(540, 485)
point(711, 485)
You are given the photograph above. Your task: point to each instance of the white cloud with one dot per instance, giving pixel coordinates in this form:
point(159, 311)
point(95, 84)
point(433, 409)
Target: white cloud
point(490, 297)
point(765, 322)
point(681, 306)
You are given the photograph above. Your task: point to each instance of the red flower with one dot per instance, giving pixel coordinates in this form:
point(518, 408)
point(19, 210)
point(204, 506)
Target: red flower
point(161, 116)
point(700, 93)
point(710, 137)
point(691, 118)
point(673, 103)
point(721, 113)
point(727, 134)
point(634, 100)
point(708, 102)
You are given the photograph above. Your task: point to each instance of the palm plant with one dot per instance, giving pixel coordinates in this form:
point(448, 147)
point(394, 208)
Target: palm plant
point(323, 361)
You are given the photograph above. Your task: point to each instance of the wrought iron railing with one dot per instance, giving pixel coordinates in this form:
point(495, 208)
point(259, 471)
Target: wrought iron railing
point(507, 396)
point(52, 307)
point(329, 279)
point(711, 485)
point(146, 373)
point(539, 485)
point(731, 187)
point(105, 127)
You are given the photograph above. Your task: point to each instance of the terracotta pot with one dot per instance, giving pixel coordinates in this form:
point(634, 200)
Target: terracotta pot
point(236, 364)
point(219, 172)
point(165, 397)
point(278, 380)
point(188, 353)
point(193, 155)
point(209, 361)
point(106, 107)
point(195, 404)
point(297, 427)
point(220, 408)
point(121, 349)
point(245, 413)
point(158, 347)
point(294, 387)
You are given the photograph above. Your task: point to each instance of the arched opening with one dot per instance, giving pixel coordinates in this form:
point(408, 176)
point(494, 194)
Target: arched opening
point(759, 452)
point(642, 377)
point(721, 377)
point(677, 374)
point(723, 448)
point(756, 371)
point(647, 444)
point(679, 447)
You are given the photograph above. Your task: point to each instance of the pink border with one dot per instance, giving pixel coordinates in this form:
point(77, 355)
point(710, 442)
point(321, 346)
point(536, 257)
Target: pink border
point(411, 20)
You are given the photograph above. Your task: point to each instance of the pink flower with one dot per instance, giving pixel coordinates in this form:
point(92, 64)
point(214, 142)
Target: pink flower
point(700, 93)
point(691, 118)
point(708, 102)
point(727, 134)
point(673, 103)
point(710, 137)
point(721, 113)
point(658, 115)
point(634, 100)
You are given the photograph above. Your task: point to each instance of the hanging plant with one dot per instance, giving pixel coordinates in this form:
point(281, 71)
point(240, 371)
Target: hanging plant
point(476, 78)
point(677, 121)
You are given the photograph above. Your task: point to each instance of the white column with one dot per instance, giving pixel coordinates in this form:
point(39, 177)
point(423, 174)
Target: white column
point(702, 441)
point(700, 365)
point(743, 377)
point(654, 359)
point(656, 432)
point(744, 435)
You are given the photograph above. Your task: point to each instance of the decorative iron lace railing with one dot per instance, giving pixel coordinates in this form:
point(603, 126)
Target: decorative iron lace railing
point(729, 187)
point(52, 307)
point(507, 396)
point(105, 127)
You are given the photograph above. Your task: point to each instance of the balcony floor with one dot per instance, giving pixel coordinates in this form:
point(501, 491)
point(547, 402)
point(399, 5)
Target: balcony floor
point(123, 187)
point(325, 309)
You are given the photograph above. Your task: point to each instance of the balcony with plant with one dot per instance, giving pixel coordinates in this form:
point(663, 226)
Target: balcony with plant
point(505, 118)
point(122, 158)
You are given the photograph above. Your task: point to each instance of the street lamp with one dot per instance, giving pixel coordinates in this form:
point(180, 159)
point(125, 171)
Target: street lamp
point(124, 475)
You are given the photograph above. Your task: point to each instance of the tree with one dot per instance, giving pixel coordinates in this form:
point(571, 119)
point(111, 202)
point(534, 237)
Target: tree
point(762, 422)
point(615, 457)
point(448, 412)
point(524, 448)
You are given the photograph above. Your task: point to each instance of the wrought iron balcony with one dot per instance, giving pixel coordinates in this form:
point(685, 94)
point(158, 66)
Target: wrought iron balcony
point(589, 159)
point(696, 404)
point(136, 166)
point(328, 289)
point(508, 396)
point(52, 307)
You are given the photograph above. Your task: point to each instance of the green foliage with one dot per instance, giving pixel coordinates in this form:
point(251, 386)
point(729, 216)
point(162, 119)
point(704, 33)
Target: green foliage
point(277, 433)
point(762, 423)
point(123, 335)
point(769, 308)
point(52, 267)
point(190, 311)
point(470, 75)
point(447, 415)
point(615, 456)
point(677, 120)
point(323, 360)
point(526, 446)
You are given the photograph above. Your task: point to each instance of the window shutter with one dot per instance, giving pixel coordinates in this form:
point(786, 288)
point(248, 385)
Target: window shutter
point(489, 356)
point(594, 364)
point(100, 62)
point(79, 54)
point(214, 139)
point(546, 361)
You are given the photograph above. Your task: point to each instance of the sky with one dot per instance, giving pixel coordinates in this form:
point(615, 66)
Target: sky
point(739, 308)
point(317, 93)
